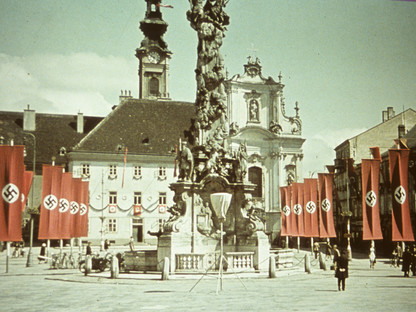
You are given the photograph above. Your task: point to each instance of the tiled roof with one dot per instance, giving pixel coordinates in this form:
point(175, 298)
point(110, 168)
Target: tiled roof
point(143, 126)
point(52, 133)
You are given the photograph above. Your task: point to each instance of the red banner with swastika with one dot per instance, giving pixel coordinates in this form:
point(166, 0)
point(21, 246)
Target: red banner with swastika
point(311, 210)
point(399, 170)
point(326, 220)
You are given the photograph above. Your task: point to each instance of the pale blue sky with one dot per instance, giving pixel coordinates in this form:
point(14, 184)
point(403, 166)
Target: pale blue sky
point(343, 61)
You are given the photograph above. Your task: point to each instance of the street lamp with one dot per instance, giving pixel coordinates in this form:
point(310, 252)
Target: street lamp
point(348, 215)
point(32, 211)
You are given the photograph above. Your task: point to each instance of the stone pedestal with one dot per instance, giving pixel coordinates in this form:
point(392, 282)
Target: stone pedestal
point(171, 244)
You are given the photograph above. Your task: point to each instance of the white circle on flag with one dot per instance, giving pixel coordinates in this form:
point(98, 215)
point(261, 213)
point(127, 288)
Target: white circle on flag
point(400, 195)
point(286, 211)
point(50, 202)
point(74, 207)
point(371, 199)
point(297, 209)
point(83, 209)
point(310, 207)
point(63, 205)
point(10, 193)
point(326, 205)
point(23, 198)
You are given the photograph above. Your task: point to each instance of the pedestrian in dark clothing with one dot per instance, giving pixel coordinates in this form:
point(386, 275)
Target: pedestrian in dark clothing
point(413, 266)
point(42, 253)
point(407, 260)
point(89, 250)
point(341, 273)
point(106, 245)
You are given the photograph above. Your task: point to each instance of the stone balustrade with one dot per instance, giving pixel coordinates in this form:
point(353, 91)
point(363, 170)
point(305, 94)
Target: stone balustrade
point(240, 261)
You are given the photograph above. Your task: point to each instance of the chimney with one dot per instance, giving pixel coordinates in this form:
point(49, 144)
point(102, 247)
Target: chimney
point(29, 119)
point(80, 123)
point(402, 130)
point(125, 96)
point(390, 113)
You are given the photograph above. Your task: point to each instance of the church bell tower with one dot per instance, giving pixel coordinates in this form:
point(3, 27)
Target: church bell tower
point(153, 54)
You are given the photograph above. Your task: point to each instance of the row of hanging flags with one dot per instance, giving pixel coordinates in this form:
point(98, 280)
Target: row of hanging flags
point(307, 208)
point(65, 200)
point(65, 205)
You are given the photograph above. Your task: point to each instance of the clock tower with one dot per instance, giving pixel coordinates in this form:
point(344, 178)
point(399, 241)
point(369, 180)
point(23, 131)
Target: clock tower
point(153, 54)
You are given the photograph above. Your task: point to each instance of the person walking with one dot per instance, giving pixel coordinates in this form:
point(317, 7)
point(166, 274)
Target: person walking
point(106, 245)
point(316, 249)
point(341, 273)
point(89, 250)
point(42, 253)
point(372, 257)
point(407, 260)
point(131, 243)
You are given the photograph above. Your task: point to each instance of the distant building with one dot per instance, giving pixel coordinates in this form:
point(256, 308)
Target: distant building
point(348, 178)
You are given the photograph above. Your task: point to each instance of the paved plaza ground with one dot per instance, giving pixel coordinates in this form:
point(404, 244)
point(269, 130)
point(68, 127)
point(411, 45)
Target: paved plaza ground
point(39, 288)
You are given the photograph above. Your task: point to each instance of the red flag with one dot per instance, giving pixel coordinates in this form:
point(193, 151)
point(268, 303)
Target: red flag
point(164, 5)
point(326, 220)
point(311, 211)
point(375, 152)
point(27, 183)
point(49, 211)
point(370, 177)
point(11, 186)
point(137, 210)
point(83, 208)
point(74, 207)
point(64, 205)
point(297, 209)
point(401, 224)
point(285, 207)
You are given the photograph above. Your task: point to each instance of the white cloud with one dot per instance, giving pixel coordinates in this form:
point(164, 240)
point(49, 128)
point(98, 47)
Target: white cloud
point(67, 84)
point(319, 148)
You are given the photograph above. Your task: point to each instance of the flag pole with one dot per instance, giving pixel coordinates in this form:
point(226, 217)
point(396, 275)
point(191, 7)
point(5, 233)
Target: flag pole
point(7, 256)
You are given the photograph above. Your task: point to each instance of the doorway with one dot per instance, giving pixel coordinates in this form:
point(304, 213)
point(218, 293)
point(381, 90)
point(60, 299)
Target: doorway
point(138, 230)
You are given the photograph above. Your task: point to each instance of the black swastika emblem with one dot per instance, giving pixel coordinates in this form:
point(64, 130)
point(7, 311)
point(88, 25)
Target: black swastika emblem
point(286, 210)
point(400, 195)
point(83, 209)
point(63, 205)
point(74, 207)
point(310, 207)
point(326, 205)
point(50, 202)
point(371, 199)
point(297, 209)
point(10, 193)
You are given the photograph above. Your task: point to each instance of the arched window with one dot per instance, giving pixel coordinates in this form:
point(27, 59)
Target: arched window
point(255, 177)
point(154, 86)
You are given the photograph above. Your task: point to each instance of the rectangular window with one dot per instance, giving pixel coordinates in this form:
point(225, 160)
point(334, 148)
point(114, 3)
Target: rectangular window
point(162, 171)
point(112, 225)
point(112, 200)
point(85, 170)
point(112, 170)
point(162, 198)
point(137, 171)
point(137, 198)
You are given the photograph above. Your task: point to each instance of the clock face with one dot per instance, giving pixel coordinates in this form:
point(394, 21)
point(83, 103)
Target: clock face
point(153, 57)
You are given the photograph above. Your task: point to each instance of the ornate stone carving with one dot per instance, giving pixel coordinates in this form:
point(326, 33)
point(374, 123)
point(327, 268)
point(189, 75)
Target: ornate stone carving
point(209, 20)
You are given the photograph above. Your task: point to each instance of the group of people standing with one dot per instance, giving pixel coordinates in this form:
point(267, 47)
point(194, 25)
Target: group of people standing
point(406, 257)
